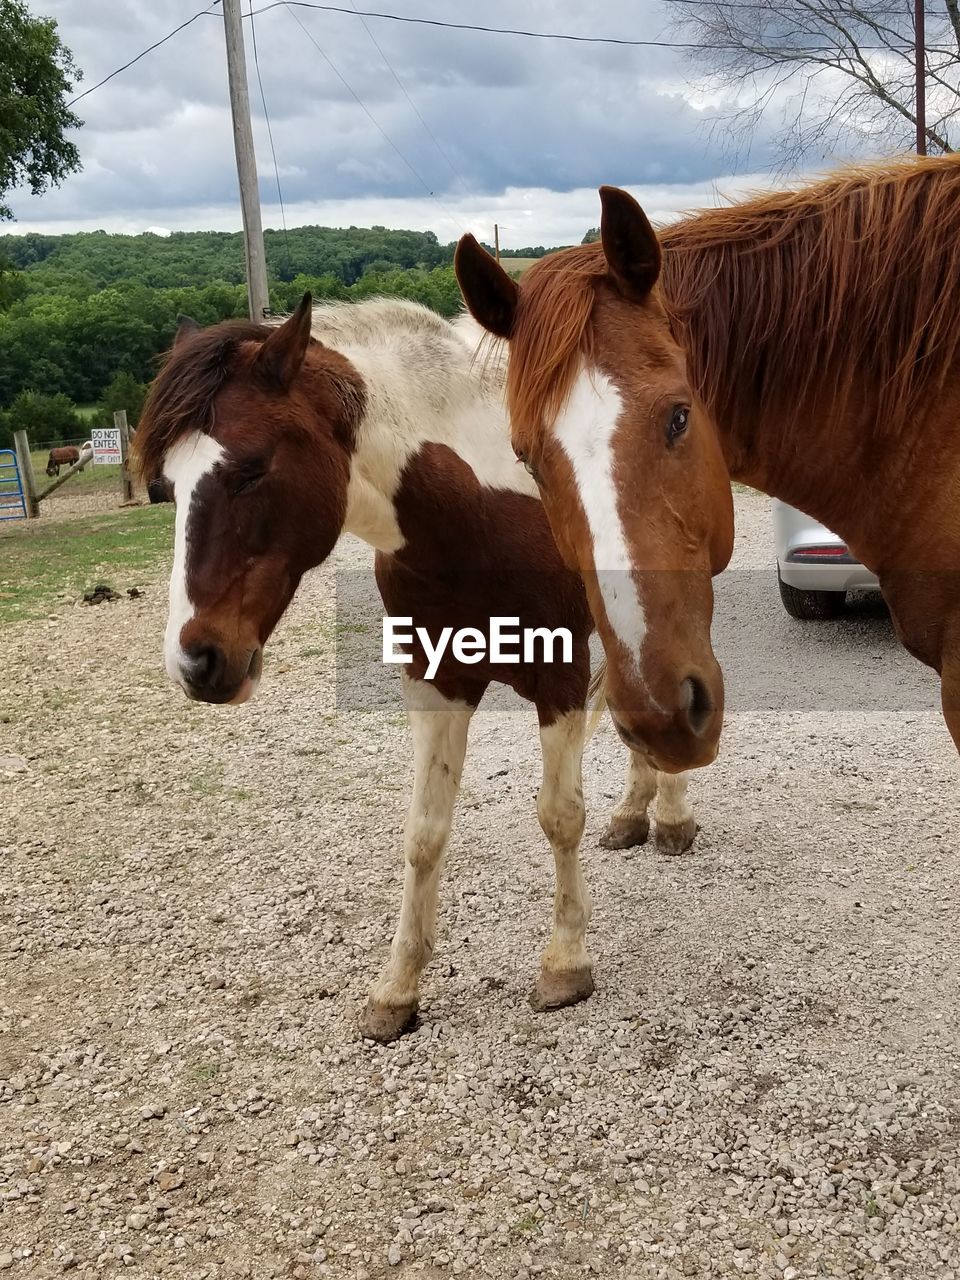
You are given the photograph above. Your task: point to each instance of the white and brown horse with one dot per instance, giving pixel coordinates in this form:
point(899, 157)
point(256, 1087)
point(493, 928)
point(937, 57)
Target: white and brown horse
point(629, 468)
point(372, 419)
point(823, 345)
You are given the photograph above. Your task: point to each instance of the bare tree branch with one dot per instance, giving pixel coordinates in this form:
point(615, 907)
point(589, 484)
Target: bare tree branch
point(833, 69)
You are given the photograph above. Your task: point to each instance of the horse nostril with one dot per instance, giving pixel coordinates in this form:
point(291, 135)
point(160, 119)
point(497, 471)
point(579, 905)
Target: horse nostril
point(207, 663)
point(697, 704)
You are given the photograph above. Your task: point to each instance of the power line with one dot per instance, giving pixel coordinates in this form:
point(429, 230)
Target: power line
point(373, 120)
point(150, 48)
point(403, 89)
point(787, 10)
point(266, 116)
point(532, 35)
point(464, 26)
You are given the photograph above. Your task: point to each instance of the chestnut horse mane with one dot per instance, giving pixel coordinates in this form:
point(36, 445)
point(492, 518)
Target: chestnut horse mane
point(552, 334)
point(182, 394)
point(844, 289)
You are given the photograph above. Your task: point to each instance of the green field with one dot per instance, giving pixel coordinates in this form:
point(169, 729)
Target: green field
point(517, 266)
point(91, 479)
point(44, 564)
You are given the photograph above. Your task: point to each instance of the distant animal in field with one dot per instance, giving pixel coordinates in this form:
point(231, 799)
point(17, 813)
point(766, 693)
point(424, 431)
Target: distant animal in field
point(65, 456)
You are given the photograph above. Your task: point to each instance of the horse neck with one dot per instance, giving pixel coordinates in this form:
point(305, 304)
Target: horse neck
point(806, 450)
point(421, 391)
point(822, 336)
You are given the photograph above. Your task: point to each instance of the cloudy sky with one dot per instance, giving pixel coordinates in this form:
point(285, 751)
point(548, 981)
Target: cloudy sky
point(513, 130)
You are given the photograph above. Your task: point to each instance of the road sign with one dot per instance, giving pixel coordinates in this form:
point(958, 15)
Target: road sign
point(106, 445)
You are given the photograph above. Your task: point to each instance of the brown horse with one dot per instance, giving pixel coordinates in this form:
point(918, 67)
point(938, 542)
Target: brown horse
point(64, 456)
point(629, 469)
point(822, 337)
point(370, 419)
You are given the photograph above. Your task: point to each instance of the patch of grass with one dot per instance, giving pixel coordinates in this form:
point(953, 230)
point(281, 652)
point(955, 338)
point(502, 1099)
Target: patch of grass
point(206, 1072)
point(99, 479)
point(517, 266)
point(871, 1208)
point(315, 652)
point(528, 1225)
point(205, 785)
point(42, 561)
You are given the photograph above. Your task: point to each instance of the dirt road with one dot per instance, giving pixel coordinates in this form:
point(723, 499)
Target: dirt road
point(193, 902)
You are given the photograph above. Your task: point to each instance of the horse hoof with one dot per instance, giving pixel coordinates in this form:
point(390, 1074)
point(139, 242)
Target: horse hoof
point(387, 1022)
point(674, 838)
point(626, 831)
point(559, 988)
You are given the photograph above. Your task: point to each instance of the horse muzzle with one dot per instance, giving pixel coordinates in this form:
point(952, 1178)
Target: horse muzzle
point(208, 674)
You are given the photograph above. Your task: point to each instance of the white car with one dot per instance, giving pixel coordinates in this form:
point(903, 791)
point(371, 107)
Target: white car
point(814, 567)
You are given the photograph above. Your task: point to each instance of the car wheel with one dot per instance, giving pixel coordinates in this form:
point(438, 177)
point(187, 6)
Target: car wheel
point(811, 606)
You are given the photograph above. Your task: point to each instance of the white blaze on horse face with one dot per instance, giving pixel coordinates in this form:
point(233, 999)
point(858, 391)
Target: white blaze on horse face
point(185, 465)
point(584, 430)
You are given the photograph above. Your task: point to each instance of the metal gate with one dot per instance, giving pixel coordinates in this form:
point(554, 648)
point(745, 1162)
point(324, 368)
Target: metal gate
point(13, 504)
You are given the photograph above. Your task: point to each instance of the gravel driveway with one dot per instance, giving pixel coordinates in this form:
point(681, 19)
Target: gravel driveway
point(193, 902)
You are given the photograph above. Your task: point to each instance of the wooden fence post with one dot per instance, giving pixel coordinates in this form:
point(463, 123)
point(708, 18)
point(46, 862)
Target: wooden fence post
point(25, 462)
point(126, 480)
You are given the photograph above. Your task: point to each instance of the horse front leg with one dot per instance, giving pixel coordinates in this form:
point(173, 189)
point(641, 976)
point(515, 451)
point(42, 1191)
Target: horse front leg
point(565, 970)
point(439, 727)
point(629, 825)
point(676, 825)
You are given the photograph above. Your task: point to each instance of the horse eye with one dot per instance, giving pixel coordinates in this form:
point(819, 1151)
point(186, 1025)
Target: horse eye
point(247, 482)
point(528, 465)
point(679, 420)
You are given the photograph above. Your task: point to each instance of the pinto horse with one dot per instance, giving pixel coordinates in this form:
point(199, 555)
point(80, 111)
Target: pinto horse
point(371, 419)
point(629, 469)
point(822, 338)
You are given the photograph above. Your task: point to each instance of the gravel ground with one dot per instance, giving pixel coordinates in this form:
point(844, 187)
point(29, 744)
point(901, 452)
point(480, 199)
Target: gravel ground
point(194, 901)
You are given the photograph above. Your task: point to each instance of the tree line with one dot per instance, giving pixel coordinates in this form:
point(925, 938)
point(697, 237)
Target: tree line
point(78, 311)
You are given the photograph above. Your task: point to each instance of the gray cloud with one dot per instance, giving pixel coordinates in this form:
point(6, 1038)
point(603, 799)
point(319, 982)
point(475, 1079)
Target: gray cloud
point(509, 113)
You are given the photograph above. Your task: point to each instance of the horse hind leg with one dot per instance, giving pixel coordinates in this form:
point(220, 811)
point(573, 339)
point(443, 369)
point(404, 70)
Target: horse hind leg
point(676, 825)
point(566, 975)
point(629, 825)
point(439, 727)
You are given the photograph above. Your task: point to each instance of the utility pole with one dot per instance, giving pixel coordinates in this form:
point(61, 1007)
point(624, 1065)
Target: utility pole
point(496, 240)
point(246, 162)
point(921, 54)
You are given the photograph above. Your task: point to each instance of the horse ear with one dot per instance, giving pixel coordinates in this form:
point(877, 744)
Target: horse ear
point(186, 327)
point(282, 354)
point(630, 244)
point(490, 294)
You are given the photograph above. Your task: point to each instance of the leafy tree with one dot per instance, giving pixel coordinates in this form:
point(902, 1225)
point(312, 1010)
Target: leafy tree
point(13, 286)
point(46, 419)
point(36, 72)
point(592, 236)
point(87, 308)
point(124, 392)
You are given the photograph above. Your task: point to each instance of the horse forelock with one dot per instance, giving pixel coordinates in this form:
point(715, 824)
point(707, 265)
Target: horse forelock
point(552, 335)
point(841, 292)
point(182, 395)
